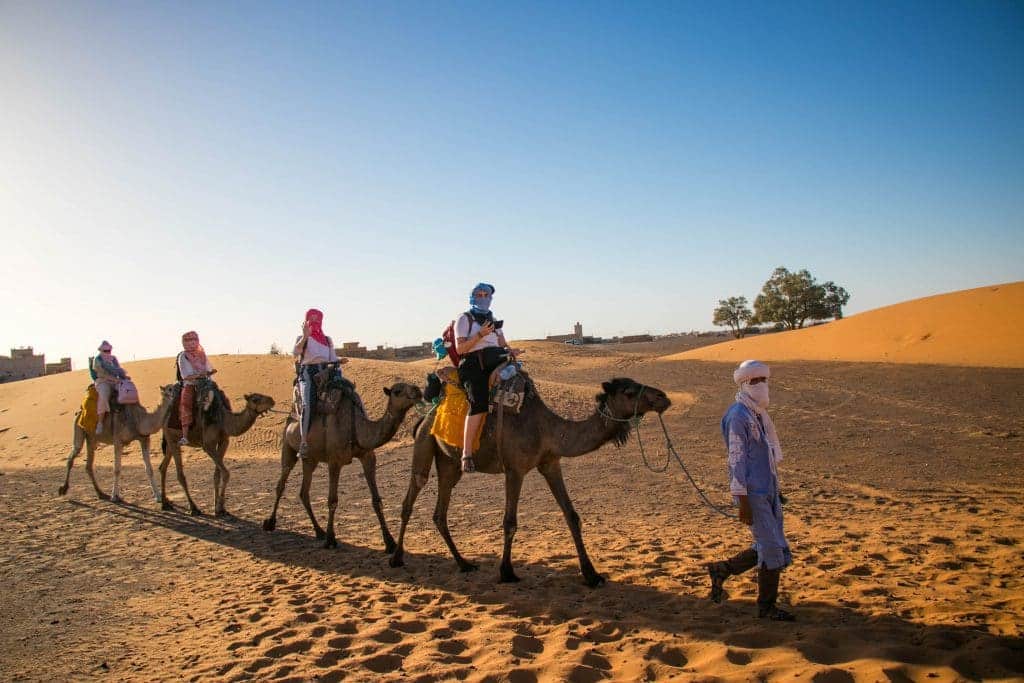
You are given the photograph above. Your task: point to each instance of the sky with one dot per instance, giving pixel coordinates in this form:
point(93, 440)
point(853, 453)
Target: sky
point(225, 166)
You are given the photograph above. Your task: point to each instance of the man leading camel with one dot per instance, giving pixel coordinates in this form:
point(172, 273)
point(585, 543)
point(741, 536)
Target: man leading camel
point(754, 454)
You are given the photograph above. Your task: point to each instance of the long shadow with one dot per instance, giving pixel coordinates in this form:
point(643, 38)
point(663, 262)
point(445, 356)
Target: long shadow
point(826, 634)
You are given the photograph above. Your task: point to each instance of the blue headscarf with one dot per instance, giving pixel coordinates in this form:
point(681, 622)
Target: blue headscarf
point(482, 305)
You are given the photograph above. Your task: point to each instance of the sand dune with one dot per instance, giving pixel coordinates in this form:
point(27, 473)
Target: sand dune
point(974, 327)
point(905, 516)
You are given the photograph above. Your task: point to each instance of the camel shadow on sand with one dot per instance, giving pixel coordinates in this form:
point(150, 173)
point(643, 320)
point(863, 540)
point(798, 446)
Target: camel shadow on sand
point(826, 634)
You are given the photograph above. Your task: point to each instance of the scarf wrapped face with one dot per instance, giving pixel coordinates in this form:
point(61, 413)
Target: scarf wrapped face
point(105, 351)
point(480, 297)
point(315, 318)
point(194, 351)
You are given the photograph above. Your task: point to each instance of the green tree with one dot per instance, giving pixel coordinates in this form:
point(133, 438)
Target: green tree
point(734, 313)
point(794, 298)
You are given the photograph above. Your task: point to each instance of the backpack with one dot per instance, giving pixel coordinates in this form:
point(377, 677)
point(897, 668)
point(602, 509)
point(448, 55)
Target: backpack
point(448, 336)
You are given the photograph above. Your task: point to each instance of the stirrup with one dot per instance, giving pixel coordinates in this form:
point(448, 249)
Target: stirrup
point(468, 465)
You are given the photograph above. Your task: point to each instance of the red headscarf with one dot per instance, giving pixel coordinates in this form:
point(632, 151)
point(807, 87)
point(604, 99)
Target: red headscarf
point(194, 351)
point(315, 318)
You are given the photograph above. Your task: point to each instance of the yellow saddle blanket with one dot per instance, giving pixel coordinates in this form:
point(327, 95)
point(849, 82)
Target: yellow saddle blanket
point(87, 416)
point(450, 419)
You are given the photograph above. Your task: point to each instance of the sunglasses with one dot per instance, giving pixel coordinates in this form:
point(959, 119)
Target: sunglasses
point(758, 380)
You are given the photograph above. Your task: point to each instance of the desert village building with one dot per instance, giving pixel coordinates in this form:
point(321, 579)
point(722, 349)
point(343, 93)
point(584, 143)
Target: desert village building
point(25, 364)
point(354, 350)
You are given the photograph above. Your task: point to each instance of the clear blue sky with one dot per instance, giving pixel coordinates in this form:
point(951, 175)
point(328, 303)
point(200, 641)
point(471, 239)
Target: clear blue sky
point(224, 166)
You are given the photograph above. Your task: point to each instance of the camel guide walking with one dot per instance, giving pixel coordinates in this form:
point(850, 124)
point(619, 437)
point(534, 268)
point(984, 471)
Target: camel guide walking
point(754, 455)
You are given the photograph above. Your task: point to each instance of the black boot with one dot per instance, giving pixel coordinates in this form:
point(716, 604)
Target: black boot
point(768, 593)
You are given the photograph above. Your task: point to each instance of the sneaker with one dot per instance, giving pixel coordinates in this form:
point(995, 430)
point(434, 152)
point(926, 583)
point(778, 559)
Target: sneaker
point(467, 464)
point(183, 441)
point(775, 614)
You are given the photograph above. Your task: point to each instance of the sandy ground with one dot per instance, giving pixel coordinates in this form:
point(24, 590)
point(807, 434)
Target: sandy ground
point(905, 518)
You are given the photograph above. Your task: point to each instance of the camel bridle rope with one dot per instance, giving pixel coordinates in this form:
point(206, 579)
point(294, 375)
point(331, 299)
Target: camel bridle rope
point(635, 420)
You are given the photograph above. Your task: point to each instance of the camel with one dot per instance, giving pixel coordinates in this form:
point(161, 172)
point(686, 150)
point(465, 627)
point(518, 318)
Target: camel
point(120, 427)
point(534, 438)
point(213, 436)
point(333, 440)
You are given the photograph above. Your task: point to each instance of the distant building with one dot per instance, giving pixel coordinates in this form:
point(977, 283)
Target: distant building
point(577, 335)
point(25, 364)
point(635, 338)
point(354, 350)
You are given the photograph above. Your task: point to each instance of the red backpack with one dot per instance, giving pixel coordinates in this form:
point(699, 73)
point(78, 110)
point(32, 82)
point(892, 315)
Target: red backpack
point(448, 338)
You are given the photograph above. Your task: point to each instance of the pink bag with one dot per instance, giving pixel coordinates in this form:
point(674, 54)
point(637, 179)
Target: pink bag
point(126, 392)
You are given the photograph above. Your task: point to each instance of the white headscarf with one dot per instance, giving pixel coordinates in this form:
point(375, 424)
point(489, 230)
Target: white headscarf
point(748, 370)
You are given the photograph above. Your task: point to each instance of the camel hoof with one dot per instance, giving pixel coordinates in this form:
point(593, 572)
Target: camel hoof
point(594, 580)
point(62, 490)
point(396, 561)
point(331, 542)
point(270, 524)
point(221, 513)
point(509, 576)
point(102, 496)
point(467, 567)
point(389, 545)
point(166, 505)
point(195, 512)
point(320, 534)
point(116, 499)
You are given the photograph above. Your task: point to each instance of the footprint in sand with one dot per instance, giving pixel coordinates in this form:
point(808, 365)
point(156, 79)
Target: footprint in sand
point(348, 627)
point(832, 676)
point(672, 656)
point(452, 647)
point(586, 674)
point(597, 661)
point(526, 647)
point(293, 647)
point(385, 663)
point(604, 633)
point(388, 635)
point(339, 650)
point(409, 626)
point(461, 624)
point(737, 657)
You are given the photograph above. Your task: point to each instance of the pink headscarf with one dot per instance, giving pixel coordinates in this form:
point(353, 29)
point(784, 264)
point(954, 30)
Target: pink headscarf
point(315, 318)
point(194, 351)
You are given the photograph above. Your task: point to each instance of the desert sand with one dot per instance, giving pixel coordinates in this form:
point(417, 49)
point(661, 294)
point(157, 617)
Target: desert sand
point(904, 514)
point(975, 327)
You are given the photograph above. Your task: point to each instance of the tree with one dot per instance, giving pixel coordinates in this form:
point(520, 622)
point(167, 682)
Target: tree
point(794, 298)
point(733, 312)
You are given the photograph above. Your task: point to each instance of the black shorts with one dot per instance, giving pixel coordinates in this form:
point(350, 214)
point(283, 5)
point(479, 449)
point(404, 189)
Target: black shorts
point(475, 369)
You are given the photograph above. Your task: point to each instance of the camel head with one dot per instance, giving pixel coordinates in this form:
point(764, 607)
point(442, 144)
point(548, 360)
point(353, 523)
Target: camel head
point(402, 396)
point(623, 399)
point(259, 403)
point(167, 392)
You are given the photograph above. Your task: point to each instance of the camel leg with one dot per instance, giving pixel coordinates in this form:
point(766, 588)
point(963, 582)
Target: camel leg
point(115, 492)
point(164, 446)
point(78, 440)
point(333, 474)
point(144, 445)
point(448, 475)
point(220, 481)
point(175, 451)
point(422, 458)
point(513, 486)
point(552, 473)
point(288, 460)
point(369, 463)
point(90, 457)
point(308, 465)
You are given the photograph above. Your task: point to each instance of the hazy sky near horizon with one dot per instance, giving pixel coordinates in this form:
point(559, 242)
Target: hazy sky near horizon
point(225, 166)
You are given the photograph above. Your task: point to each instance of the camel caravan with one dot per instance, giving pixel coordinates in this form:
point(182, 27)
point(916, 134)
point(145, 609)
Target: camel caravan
point(481, 414)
